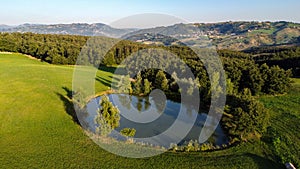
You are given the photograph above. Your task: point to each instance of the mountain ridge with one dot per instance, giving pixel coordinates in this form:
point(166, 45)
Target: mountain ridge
point(84, 29)
point(238, 35)
point(227, 35)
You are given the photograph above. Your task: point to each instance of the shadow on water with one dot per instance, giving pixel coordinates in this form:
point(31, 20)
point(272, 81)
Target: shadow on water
point(68, 104)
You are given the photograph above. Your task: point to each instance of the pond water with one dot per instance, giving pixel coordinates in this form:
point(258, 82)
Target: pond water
point(151, 117)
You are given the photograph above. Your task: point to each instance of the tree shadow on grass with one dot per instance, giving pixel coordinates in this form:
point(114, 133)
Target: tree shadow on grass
point(239, 160)
point(68, 104)
point(121, 71)
point(108, 69)
point(264, 162)
point(69, 93)
point(81, 114)
point(105, 82)
point(108, 83)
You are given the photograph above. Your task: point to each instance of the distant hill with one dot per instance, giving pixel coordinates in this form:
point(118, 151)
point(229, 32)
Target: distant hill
point(3, 27)
point(97, 29)
point(225, 35)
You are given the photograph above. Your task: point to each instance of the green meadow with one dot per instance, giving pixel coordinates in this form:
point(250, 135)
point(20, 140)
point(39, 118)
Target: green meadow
point(37, 129)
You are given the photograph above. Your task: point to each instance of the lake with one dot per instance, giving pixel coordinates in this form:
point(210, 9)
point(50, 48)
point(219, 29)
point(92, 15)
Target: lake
point(153, 118)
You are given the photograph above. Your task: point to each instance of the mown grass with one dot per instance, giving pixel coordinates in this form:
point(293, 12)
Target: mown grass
point(36, 130)
point(285, 118)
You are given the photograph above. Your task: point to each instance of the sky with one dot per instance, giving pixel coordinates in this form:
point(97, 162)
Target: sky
point(15, 12)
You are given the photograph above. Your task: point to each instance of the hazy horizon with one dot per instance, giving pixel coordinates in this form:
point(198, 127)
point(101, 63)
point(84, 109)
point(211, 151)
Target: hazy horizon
point(17, 12)
point(142, 28)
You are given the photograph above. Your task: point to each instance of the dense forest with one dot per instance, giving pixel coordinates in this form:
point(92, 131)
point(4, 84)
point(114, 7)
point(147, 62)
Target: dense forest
point(56, 49)
point(248, 74)
point(287, 57)
point(64, 49)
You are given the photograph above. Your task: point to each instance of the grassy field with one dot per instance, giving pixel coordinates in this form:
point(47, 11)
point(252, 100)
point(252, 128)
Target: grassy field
point(285, 118)
point(37, 132)
point(263, 31)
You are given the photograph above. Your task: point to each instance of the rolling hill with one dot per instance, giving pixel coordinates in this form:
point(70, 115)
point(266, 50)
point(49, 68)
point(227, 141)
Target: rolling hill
point(37, 130)
point(97, 29)
point(225, 35)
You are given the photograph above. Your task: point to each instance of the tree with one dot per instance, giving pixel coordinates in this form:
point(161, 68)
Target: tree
point(265, 72)
point(128, 132)
point(109, 59)
point(147, 87)
point(276, 79)
point(161, 81)
point(124, 85)
point(251, 77)
point(173, 85)
point(229, 86)
point(244, 116)
point(108, 117)
point(137, 85)
point(215, 85)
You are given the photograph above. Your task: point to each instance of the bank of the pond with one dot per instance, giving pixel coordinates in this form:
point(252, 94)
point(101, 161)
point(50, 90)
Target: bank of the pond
point(137, 110)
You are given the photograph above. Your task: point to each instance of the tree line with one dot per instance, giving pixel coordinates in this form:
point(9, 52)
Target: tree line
point(244, 76)
point(287, 57)
point(56, 49)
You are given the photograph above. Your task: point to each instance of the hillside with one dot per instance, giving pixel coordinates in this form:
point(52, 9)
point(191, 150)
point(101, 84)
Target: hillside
point(37, 130)
point(225, 35)
point(97, 29)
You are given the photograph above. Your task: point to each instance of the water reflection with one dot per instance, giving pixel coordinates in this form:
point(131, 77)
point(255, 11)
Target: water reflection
point(163, 114)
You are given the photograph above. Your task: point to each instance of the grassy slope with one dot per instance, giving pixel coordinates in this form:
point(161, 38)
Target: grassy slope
point(37, 132)
point(285, 117)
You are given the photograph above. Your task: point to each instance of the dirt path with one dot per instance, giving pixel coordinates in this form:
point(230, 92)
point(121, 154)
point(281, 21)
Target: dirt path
point(30, 57)
point(5, 53)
